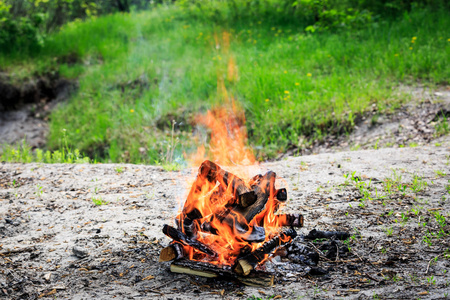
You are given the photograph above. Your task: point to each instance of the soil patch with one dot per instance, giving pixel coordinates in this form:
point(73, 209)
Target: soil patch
point(95, 231)
point(25, 107)
point(413, 124)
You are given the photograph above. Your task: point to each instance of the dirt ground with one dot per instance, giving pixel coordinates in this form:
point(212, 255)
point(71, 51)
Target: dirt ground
point(94, 231)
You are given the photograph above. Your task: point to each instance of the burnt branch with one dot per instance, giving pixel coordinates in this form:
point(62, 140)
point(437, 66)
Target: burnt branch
point(255, 278)
point(292, 220)
point(318, 234)
point(172, 252)
point(180, 237)
point(246, 264)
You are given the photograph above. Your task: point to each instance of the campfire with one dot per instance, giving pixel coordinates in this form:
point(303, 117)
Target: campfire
point(228, 223)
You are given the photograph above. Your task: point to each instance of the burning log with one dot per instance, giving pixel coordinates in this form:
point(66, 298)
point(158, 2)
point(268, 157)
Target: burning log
point(295, 220)
point(222, 217)
point(246, 264)
point(255, 278)
point(263, 186)
point(171, 252)
point(184, 239)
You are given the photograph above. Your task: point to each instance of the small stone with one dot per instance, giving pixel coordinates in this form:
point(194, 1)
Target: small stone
point(79, 252)
point(47, 276)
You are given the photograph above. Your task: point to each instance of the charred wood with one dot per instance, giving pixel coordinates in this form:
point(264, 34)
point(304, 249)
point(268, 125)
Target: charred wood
point(294, 220)
point(263, 187)
point(180, 237)
point(172, 252)
point(255, 278)
point(317, 234)
point(247, 263)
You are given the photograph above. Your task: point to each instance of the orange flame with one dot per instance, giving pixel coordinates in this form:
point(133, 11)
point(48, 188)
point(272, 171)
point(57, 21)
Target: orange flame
point(210, 213)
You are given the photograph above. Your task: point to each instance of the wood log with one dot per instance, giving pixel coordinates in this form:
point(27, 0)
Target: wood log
point(241, 195)
point(318, 234)
point(255, 278)
point(171, 252)
point(180, 237)
point(246, 264)
point(294, 220)
point(263, 186)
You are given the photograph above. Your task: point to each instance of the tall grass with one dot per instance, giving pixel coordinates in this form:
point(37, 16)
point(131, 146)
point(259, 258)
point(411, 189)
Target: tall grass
point(138, 72)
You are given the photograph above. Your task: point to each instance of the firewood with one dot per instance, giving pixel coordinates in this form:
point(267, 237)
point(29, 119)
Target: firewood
point(242, 196)
point(196, 268)
point(171, 252)
point(318, 234)
point(184, 239)
point(294, 220)
point(247, 263)
point(263, 187)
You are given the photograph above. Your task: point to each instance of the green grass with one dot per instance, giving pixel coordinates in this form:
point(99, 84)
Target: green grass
point(138, 72)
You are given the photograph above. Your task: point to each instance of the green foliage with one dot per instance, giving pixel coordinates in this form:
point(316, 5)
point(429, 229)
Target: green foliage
point(24, 24)
point(312, 15)
point(140, 71)
point(98, 201)
point(23, 154)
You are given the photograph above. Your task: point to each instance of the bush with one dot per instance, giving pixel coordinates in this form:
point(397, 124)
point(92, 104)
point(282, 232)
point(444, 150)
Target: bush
point(311, 14)
point(24, 24)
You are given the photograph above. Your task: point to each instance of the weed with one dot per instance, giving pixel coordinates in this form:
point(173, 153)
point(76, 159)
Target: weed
point(440, 219)
point(426, 238)
point(440, 173)
point(418, 184)
point(442, 126)
point(39, 191)
point(389, 231)
point(98, 201)
point(416, 210)
point(431, 280)
point(22, 153)
point(404, 218)
point(119, 169)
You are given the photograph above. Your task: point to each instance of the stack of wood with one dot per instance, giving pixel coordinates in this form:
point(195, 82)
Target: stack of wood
point(243, 208)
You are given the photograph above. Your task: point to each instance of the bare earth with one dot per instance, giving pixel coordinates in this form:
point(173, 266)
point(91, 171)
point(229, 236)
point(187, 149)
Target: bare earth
point(46, 210)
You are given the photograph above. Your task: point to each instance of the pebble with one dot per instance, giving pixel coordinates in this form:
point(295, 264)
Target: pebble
point(79, 252)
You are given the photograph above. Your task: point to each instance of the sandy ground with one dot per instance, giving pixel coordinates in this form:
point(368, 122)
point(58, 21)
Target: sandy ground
point(47, 210)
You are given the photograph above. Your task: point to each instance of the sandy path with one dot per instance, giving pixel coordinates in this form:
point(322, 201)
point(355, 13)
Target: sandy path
point(46, 210)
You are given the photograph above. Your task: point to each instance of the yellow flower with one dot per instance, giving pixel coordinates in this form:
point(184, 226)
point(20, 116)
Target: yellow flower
point(412, 41)
point(286, 92)
point(285, 72)
point(414, 38)
point(396, 54)
point(448, 40)
point(131, 110)
point(297, 83)
point(267, 100)
point(410, 48)
point(309, 74)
